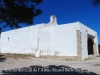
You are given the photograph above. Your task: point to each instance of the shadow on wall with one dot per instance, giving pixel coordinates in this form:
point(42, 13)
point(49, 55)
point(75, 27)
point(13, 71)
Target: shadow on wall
point(47, 70)
point(2, 58)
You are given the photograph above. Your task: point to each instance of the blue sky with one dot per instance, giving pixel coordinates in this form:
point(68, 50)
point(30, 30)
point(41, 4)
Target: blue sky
point(68, 11)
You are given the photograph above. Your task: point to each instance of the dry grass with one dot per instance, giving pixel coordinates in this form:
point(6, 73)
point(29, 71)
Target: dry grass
point(17, 56)
point(98, 55)
point(97, 65)
point(89, 59)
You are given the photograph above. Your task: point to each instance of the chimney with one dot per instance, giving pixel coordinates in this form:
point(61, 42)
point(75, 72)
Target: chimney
point(53, 19)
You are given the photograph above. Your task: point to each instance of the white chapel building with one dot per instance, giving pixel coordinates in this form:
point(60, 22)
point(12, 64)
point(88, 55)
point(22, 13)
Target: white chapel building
point(72, 41)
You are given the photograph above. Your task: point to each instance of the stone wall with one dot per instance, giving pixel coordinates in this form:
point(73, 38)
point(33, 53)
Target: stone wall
point(94, 48)
point(78, 34)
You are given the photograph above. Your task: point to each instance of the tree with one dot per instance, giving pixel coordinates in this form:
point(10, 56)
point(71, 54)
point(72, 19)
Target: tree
point(95, 2)
point(13, 12)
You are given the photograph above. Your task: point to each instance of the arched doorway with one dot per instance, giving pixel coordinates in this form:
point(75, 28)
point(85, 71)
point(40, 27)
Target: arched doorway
point(90, 44)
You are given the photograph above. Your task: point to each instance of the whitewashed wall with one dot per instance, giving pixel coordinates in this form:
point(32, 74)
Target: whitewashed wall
point(47, 39)
point(54, 38)
point(22, 40)
point(84, 37)
point(59, 38)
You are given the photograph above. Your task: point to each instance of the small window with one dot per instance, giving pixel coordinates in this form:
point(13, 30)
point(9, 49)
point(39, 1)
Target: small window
point(8, 38)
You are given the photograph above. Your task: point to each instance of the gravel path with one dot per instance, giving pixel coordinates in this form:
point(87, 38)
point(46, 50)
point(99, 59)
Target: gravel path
point(92, 66)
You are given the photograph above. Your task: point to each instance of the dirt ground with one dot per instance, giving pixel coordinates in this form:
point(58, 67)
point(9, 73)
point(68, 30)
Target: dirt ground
point(28, 65)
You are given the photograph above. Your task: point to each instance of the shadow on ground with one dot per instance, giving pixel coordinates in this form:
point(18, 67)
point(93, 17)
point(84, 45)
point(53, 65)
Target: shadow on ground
point(2, 58)
point(47, 70)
